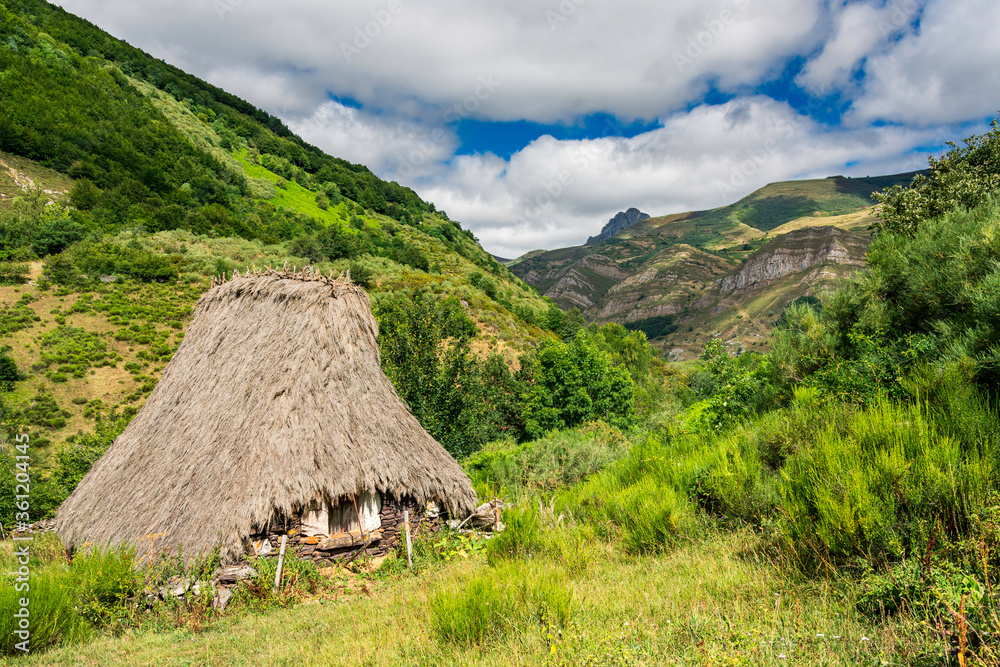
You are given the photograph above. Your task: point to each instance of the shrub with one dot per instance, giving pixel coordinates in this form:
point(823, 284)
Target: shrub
point(106, 585)
point(12, 273)
point(640, 499)
point(9, 373)
point(54, 620)
point(498, 603)
point(573, 383)
point(874, 489)
point(559, 459)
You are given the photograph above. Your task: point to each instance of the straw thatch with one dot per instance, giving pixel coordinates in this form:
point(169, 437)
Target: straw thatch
point(274, 397)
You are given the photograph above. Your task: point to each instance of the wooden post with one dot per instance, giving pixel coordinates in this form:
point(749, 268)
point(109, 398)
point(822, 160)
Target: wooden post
point(496, 515)
point(281, 561)
point(409, 545)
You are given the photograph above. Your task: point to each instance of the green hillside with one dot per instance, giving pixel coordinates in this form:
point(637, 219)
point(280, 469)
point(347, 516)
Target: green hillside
point(639, 282)
point(126, 185)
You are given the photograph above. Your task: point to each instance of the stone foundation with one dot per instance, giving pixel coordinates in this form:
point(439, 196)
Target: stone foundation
point(329, 549)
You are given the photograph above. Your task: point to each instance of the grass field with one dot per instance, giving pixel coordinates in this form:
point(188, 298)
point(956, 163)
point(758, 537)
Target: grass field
point(719, 600)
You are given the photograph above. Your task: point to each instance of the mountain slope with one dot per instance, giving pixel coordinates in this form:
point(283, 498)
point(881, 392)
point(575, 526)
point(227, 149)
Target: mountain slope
point(728, 272)
point(137, 183)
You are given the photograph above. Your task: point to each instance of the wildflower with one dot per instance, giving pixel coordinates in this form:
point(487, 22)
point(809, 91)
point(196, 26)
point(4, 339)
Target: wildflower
point(865, 639)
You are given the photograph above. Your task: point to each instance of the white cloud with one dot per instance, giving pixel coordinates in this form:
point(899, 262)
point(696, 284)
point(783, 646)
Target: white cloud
point(385, 145)
point(945, 73)
point(858, 29)
point(619, 58)
point(410, 63)
point(557, 193)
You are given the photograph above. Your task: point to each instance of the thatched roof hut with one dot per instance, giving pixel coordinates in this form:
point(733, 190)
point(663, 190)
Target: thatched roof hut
point(274, 398)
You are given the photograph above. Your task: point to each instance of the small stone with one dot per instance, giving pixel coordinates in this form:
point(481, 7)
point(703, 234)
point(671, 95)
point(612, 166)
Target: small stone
point(222, 598)
point(234, 573)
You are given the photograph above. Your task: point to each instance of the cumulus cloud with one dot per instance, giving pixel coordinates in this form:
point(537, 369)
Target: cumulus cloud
point(557, 193)
point(944, 73)
point(391, 146)
point(859, 28)
point(416, 67)
point(557, 59)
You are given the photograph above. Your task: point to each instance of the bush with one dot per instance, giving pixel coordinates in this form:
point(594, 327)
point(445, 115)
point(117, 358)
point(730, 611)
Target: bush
point(9, 373)
point(640, 499)
point(106, 585)
point(574, 383)
point(54, 620)
point(964, 178)
point(12, 273)
point(875, 489)
point(499, 603)
point(559, 459)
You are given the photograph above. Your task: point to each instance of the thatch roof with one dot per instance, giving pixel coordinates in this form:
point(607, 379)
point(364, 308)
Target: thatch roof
point(274, 396)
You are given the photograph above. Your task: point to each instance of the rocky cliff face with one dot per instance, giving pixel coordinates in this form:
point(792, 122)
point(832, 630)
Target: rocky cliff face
point(705, 294)
point(794, 252)
point(577, 285)
point(621, 221)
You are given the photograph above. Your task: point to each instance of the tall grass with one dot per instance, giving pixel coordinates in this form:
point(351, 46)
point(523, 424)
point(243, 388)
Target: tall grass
point(67, 602)
point(559, 459)
point(497, 603)
point(876, 488)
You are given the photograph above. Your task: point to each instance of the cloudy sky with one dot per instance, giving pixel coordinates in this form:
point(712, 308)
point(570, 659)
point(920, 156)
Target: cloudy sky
point(534, 121)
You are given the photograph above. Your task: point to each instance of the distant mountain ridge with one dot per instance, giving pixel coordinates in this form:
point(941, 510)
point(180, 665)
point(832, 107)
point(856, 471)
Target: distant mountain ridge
point(622, 221)
point(724, 273)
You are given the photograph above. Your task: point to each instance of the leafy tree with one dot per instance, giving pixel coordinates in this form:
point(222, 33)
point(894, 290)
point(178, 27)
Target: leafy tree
point(336, 242)
point(85, 194)
point(963, 178)
point(572, 383)
point(9, 373)
point(308, 247)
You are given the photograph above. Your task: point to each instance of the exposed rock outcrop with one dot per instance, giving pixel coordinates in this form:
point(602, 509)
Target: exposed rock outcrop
point(794, 252)
point(623, 220)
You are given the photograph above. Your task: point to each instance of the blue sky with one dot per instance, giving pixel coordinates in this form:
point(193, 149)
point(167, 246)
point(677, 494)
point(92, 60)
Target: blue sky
point(532, 122)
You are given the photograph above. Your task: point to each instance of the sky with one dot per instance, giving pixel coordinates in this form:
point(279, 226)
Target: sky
point(532, 122)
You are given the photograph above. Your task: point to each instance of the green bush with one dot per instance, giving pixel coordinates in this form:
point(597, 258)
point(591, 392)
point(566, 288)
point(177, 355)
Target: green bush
point(53, 616)
point(74, 351)
point(874, 489)
point(521, 539)
point(106, 585)
point(963, 178)
point(9, 373)
point(572, 383)
point(499, 603)
point(559, 459)
point(12, 273)
point(640, 499)
point(18, 316)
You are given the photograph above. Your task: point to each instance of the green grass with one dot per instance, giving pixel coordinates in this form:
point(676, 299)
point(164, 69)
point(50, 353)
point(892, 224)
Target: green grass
point(717, 600)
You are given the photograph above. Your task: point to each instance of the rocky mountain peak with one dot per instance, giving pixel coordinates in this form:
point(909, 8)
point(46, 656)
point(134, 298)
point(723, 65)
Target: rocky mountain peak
point(623, 220)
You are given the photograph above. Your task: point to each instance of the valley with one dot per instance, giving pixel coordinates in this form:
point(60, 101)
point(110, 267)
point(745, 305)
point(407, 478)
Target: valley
point(724, 274)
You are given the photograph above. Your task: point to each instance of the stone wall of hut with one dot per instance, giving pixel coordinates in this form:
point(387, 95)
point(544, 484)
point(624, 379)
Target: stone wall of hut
point(326, 550)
